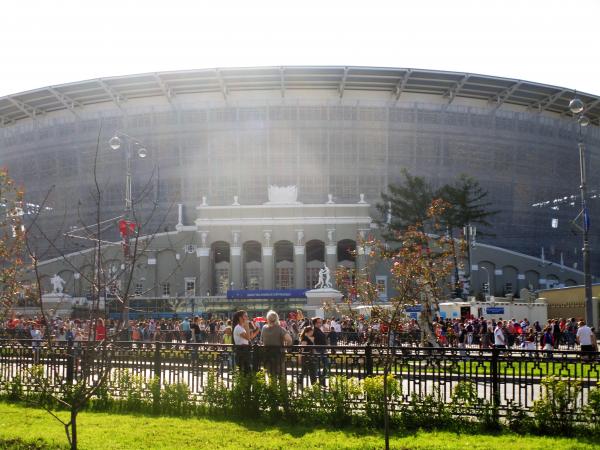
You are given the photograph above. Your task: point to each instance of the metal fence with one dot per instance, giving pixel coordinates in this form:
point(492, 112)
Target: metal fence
point(504, 378)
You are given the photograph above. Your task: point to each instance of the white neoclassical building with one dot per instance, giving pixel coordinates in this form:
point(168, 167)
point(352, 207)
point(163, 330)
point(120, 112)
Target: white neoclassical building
point(280, 244)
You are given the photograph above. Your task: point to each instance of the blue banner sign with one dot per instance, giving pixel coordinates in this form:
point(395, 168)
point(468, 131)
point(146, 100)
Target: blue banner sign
point(414, 309)
point(267, 294)
point(494, 310)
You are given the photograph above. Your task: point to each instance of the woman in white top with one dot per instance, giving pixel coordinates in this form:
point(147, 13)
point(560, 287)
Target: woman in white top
point(242, 335)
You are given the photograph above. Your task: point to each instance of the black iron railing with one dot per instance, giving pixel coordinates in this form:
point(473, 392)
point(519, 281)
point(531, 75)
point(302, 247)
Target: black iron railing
point(504, 379)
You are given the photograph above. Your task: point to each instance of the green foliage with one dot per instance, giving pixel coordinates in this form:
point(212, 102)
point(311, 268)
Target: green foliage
point(375, 406)
point(15, 388)
point(555, 412)
point(591, 411)
point(407, 202)
point(259, 397)
point(518, 420)
point(467, 204)
point(176, 399)
point(217, 397)
point(340, 399)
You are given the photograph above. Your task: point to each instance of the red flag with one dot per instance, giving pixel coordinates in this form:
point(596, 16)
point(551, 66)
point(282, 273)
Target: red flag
point(126, 228)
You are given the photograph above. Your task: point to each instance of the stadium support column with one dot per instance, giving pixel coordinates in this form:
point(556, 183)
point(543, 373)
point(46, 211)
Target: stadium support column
point(331, 255)
point(236, 262)
point(299, 261)
point(203, 253)
point(267, 261)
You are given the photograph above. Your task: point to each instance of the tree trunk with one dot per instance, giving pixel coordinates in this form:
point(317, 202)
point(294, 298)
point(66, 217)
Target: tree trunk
point(386, 419)
point(73, 429)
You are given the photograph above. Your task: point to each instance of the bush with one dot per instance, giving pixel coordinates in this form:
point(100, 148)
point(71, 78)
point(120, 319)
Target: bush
point(555, 412)
point(467, 408)
point(427, 412)
point(217, 397)
point(376, 404)
point(591, 412)
point(176, 399)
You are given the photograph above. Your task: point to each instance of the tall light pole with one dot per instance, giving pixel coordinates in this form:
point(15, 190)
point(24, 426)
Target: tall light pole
point(115, 143)
point(488, 280)
point(577, 108)
point(470, 232)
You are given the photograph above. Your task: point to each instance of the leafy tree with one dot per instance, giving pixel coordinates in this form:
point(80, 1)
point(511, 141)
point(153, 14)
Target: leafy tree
point(467, 204)
point(12, 242)
point(419, 267)
point(405, 204)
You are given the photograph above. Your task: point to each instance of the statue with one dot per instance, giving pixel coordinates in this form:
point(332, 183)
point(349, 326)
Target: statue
point(324, 278)
point(300, 237)
point(330, 235)
point(267, 235)
point(57, 284)
point(203, 237)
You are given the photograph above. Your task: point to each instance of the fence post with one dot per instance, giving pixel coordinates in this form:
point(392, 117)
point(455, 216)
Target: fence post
point(70, 362)
point(368, 360)
point(157, 375)
point(495, 384)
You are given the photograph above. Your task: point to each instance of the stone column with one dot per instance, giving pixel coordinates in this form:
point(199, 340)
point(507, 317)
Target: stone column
point(361, 252)
point(235, 256)
point(299, 261)
point(267, 261)
point(331, 254)
point(205, 270)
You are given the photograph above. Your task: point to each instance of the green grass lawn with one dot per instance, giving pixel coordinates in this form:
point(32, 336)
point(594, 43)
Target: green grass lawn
point(110, 431)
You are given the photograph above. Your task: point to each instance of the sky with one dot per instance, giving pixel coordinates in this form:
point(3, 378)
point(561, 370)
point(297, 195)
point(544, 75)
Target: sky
point(45, 43)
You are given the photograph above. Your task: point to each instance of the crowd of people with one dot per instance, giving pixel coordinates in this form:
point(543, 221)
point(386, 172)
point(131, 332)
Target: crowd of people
point(272, 334)
point(469, 332)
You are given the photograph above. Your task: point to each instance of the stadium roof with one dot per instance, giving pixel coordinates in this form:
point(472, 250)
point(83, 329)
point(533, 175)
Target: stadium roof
point(76, 96)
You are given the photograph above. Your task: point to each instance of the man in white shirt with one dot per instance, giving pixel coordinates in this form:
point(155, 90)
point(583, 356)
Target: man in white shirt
point(499, 338)
point(584, 337)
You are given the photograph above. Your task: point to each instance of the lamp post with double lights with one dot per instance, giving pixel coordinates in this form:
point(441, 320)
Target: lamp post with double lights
point(126, 227)
point(577, 108)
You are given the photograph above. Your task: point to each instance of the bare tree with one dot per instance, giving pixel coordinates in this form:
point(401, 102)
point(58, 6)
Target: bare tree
point(88, 357)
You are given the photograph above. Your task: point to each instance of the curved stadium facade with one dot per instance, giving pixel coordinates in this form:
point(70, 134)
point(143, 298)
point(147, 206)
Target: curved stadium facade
point(343, 131)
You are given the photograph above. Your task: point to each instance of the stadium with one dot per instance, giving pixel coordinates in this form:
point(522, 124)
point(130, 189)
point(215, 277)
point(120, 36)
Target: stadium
point(218, 138)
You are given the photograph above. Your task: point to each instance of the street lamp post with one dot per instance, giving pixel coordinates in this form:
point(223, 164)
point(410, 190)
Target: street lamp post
point(115, 143)
point(577, 107)
point(488, 280)
point(470, 232)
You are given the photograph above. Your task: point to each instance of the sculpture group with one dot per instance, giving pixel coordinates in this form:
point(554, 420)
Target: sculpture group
point(324, 278)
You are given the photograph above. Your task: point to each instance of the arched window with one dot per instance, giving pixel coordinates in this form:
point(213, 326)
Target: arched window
point(220, 253)
point(284, 265)
point(253, 271)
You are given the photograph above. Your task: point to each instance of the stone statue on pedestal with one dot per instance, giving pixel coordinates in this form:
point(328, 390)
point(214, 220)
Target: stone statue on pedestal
point(57, 284)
